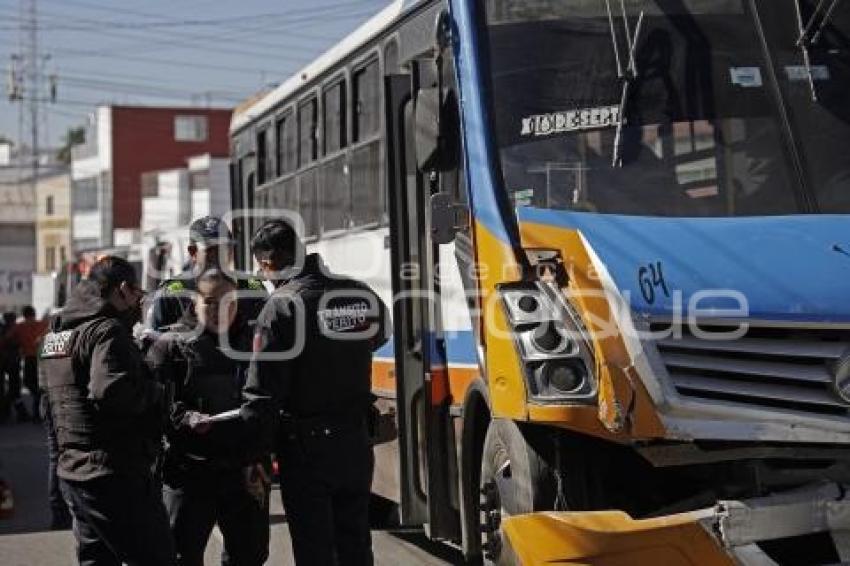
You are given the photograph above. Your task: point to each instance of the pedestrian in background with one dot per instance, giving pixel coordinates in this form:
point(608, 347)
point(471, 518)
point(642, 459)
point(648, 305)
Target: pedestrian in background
point(26, 336)
point(10, 371)
point(312, 364)
point(108, 419)
point(210, 473)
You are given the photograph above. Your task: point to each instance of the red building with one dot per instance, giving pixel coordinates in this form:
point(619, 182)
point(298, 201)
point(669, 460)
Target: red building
point(122, 142)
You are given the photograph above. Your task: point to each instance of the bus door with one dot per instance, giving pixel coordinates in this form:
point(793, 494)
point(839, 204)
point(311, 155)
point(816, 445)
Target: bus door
point(421, 385)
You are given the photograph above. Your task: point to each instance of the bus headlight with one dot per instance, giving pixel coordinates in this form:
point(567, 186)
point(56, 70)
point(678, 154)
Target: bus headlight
point(562, 377)
point(552, 342)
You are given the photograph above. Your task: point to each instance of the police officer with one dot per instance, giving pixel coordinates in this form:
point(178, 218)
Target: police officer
point(210, 246)
point(209, 474)
point(60, 514)
point(107, 415)
point(312, 363)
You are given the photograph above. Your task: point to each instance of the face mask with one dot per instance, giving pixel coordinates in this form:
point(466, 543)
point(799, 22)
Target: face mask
point(132, 314)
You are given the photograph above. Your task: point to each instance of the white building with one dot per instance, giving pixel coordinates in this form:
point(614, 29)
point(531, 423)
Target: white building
point(91, 181)
point(171, 200)
point(18, 240)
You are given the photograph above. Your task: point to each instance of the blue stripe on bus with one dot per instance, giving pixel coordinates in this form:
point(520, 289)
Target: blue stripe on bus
point(485, 207)
point(789, 268)
point(460, 349)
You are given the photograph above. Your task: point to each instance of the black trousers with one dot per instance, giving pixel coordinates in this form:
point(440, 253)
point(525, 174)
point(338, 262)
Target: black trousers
point(59, 512)
point(120, 519)
point(325, 482)
point(31, 383)
point(10, 377)
point(197, 497)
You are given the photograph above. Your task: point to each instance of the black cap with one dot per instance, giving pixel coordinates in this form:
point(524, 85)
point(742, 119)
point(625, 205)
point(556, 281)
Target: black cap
point(209, 231)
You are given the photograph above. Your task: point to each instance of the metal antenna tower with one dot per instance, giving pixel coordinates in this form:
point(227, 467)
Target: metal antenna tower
point(33, 68)
point(25, 87)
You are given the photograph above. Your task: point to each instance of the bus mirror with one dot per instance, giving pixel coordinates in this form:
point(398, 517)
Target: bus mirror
point(443, 218)
point(427, 127)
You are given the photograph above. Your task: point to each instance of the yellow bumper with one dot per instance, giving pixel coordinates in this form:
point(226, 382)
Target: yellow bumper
point(612, 538)
point(727, 533)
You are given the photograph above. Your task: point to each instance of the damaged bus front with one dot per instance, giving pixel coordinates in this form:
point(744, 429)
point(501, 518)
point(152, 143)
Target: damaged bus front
point(670, 181)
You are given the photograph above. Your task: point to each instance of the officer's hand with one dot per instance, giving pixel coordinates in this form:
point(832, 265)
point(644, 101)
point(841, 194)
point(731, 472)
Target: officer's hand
point(257, 483)
point(198, 422)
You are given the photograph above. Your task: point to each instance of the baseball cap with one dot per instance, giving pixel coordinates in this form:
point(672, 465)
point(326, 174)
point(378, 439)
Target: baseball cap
point(210, 231)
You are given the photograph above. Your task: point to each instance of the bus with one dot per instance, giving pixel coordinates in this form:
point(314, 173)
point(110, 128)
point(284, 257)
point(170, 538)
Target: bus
point(615, 238)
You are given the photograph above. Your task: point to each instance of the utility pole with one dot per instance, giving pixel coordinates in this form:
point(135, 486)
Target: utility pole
point(33, 72)
point(25, 87)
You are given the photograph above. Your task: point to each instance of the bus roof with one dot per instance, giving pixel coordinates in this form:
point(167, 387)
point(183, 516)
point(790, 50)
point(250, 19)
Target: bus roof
point(359, 37)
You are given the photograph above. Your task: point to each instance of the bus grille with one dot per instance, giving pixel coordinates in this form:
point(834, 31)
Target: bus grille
point(767, 367)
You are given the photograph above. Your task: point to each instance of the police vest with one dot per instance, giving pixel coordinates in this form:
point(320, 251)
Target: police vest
point(75, 418)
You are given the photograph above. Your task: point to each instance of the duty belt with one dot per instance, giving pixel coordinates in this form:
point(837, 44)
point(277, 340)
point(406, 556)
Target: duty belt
point(320, 425)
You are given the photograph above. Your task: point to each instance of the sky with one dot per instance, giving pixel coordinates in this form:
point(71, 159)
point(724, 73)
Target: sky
point(166, 52)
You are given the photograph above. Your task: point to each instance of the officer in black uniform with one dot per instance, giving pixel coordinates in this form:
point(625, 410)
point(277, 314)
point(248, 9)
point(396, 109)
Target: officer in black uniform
point(210, 475)
point(60, 514)
point(107, 415)
point(210, 246)
point(310, 380)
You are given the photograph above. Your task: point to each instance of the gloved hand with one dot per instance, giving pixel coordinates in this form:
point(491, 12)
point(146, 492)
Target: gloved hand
point(382, 426)
point(257, 483)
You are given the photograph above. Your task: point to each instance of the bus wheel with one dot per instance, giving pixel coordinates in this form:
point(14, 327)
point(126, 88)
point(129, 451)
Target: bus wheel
point(515, 479)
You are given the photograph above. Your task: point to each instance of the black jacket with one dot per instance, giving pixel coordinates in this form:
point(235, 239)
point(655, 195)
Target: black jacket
point(206, 374)
point(313, 348)
point(106, 409)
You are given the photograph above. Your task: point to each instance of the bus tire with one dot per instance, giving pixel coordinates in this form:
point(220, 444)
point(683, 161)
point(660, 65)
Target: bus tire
point(515, 479)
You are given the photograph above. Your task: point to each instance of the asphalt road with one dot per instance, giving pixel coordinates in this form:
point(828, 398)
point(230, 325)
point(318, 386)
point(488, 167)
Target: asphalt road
point(26, 540)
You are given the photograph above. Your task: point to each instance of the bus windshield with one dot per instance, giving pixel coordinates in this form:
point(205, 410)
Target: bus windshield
point(671, 107)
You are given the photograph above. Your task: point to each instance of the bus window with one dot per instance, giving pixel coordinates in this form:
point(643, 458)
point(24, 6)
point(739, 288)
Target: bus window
point(333, 118)
point(264, 162)
point(334, 194)
point(365, 100)
point(307, 202)
point(287, 144)
point(366, 164)
point(307, 132)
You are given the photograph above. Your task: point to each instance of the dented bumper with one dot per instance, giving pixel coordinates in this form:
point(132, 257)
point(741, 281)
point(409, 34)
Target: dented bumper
point(728, 533)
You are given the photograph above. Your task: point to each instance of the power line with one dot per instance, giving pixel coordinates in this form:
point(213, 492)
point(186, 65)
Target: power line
point(207, 43)
point(153, 87)
point(317, 14)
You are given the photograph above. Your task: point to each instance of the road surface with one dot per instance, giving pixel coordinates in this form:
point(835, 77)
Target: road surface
point(26, 540)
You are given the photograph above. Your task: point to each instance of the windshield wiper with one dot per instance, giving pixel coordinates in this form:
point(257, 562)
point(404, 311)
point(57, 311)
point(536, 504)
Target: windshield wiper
point(806, 30)
point(807, 38)
point(628, 74)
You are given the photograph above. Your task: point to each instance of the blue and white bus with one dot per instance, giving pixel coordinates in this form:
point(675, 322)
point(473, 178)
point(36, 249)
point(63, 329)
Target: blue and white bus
point(615, 237)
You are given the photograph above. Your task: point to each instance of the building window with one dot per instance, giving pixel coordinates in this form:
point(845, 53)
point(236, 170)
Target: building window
point(51, 259)
point(307, 132)
point(287, 144)
point(48, 205)
point(85, 194)
point(366, 107)
point(333, 121)
point(62, 257)
point(199, 180)
point(150, 184)
point(190, 128)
